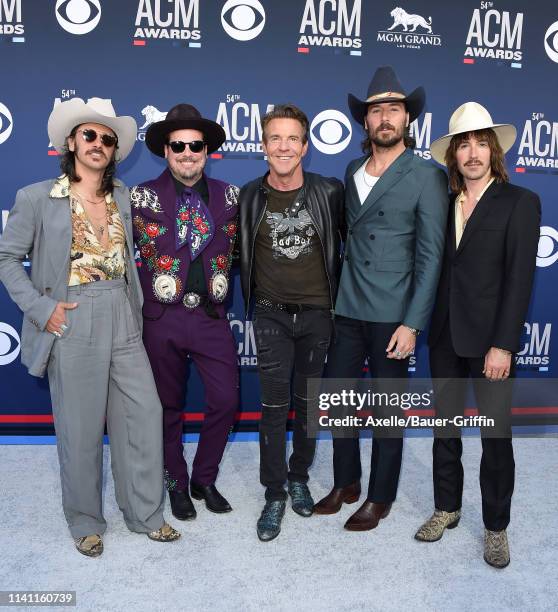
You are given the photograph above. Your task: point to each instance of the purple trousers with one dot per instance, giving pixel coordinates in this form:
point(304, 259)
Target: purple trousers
point(172, 334)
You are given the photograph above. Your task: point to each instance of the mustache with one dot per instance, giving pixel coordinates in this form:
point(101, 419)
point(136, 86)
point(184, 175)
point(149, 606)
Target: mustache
point(473, 162)
point(187, 159)
point(385, 126)
point(96, 151)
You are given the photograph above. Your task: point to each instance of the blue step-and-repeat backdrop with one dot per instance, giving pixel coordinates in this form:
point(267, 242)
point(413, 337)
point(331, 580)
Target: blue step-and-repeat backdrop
point(234, 59)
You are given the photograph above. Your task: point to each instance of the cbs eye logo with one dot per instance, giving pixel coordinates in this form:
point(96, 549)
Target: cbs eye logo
point(551, 42)
point(243, 19)
point(547, 253)
point(331, 132)
point(6, 123)
point(78, 16)
point(9, 344)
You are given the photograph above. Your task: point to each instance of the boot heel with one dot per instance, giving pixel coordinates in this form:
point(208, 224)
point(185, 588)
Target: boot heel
point(351, 499)
point(454, 524)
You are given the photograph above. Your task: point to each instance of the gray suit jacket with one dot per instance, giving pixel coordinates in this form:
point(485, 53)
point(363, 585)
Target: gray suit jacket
point(40, 226)
point(395, 242)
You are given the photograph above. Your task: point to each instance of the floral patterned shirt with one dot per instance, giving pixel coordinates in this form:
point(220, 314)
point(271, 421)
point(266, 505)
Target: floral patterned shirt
point(89, 260)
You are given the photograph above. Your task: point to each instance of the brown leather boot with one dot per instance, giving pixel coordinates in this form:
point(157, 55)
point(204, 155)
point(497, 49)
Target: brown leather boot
point(367, 516)
point(333, 501)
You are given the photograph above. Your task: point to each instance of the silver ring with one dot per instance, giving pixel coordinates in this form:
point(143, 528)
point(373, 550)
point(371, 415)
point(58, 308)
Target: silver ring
point(398, 353)
point(57, 334)
point(63, 327)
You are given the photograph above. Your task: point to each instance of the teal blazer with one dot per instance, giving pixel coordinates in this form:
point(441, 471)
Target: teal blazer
point(395, 242)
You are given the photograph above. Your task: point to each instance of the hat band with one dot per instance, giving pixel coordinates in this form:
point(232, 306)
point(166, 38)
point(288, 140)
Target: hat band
point(387, 94)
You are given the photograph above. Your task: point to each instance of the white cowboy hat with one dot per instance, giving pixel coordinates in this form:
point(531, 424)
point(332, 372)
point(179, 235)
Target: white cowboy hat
point(470, 117)
point(66, 115)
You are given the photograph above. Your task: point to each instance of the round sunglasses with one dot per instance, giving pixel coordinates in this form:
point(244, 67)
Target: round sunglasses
point(179, 146)
point(90, 135)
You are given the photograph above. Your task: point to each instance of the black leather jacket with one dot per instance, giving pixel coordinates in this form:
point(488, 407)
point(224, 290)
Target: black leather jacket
point(324, 199)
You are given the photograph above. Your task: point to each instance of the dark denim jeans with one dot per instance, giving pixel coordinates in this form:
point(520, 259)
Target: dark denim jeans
point(291, 349)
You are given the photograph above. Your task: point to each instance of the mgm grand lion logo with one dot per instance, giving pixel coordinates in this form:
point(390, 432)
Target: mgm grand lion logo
point(151, 115)
point(402, 18)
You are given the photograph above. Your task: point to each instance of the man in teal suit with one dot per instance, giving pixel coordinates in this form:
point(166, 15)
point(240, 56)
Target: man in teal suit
point(396, 211)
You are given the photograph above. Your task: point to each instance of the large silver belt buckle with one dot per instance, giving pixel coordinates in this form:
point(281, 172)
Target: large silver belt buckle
point(191, 300)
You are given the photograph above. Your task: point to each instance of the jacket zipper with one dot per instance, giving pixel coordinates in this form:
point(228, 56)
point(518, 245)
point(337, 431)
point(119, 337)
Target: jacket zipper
point(323, 255)
point(252, 254)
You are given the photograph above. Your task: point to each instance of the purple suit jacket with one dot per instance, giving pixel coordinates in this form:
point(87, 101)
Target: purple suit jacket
point(164, 268)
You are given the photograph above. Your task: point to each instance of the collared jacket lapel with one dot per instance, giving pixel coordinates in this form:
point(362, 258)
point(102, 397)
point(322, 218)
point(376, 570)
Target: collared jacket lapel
point(392, 175)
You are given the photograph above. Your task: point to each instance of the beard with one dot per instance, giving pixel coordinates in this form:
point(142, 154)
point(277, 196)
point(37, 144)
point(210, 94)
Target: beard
point(386, 139)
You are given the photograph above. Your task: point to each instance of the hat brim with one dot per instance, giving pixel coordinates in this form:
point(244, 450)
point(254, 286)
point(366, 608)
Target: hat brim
point(67, 115)
point(505, 132)
point(157, 133)
point(414, 103)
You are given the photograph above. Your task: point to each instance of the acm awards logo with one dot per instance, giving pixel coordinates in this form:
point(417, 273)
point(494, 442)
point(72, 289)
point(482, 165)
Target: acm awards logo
point(551, 42)
point(243, 331)
point(333, 24)
point(243, 129)
point(421, 131)
point(78, 16)
point(151, 114)
point(177, 20)
point(538, 147)
point(494, 35)
point(535, 354)
point(409, 31)
point(6, 123)
point(10, 19)
point(547, 252)
point(331, 132)
point(243, 19)
point(9, 344)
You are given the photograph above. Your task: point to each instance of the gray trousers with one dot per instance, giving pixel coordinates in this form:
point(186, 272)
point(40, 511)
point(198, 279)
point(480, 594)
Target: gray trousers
point(99, 370)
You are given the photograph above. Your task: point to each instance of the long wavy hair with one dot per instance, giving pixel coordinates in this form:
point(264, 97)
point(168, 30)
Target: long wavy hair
point(68, 167)
point(497, 158)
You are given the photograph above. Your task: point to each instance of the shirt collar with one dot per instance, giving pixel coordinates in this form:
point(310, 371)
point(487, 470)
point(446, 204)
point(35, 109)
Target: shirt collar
point(61, 188)
point(461, 197)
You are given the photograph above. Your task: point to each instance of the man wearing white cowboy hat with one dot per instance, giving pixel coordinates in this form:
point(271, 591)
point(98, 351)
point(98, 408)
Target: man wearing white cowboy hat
point(82, 322)
point(396, 209)
point(481, 304)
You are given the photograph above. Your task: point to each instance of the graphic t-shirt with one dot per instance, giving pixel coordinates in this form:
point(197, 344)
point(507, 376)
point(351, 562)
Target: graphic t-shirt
point(289, 263)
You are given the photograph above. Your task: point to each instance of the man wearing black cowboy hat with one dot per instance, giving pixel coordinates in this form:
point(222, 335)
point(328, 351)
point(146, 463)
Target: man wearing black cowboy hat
point(396, 209)
point(185, 228)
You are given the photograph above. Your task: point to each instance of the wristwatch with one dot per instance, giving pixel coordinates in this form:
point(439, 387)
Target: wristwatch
point(414, 331)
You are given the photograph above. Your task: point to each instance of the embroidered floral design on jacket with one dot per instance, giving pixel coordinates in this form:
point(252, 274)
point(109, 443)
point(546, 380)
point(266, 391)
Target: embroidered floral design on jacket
point(148, 250)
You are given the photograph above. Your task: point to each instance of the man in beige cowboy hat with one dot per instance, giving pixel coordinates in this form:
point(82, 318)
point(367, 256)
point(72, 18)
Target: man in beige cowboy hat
point(82, 322)
point(482, 300)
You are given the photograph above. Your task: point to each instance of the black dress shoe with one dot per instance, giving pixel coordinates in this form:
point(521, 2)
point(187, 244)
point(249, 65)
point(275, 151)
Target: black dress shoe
point(214, 501)
point(182, 506)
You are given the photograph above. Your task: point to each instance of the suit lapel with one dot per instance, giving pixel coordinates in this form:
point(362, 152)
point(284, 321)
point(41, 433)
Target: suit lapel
point(123, 205)
point(390, 177)
point(475, 220)
point(58, 227)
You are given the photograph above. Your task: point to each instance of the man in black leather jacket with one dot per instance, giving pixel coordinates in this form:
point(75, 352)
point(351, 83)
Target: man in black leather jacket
point(290, 231)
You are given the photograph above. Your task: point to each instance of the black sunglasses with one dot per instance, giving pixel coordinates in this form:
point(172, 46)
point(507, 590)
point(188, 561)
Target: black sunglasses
point(178, 146)
point(90, 135)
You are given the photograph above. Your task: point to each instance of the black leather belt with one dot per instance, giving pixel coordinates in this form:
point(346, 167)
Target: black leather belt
point(289, 308)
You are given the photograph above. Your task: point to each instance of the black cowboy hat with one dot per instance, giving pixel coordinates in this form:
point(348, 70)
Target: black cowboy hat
point(385, 87)
point(181, 117)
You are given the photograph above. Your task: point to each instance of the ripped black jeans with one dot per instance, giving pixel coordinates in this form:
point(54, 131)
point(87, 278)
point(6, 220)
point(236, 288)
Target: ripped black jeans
point(291, 348)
